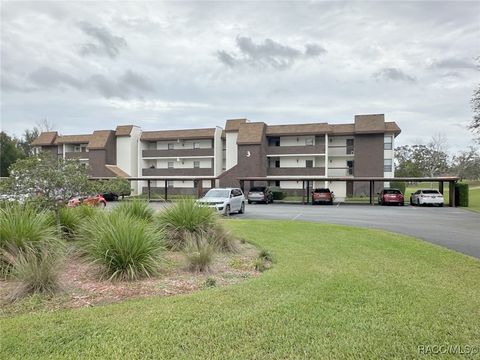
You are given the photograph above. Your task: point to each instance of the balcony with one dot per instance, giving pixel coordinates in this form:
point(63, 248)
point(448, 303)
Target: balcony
point(178, 172)
point(286, 150)
point(292, 171)
point(340, 171)
point(76, 155)
point(177, 153)
point(340, 151)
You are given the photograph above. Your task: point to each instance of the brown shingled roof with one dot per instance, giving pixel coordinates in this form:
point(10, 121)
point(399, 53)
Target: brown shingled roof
point(178, 134)
point(234, 124)
point(123, 130)
point(391, 126)
point(251, 133)
point(99, 139)
point(117, 171)
point(73, 139)
point(343, 129)
point(298, 129)
point(369, 123)
point(45, 138)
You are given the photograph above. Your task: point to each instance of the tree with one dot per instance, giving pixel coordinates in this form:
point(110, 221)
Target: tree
point(475, 124)
point(31, 134)
point(9, 153)
point(49, 181)
point(467, 164)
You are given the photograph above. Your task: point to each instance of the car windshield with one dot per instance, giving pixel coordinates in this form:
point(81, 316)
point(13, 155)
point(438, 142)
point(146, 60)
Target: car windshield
point(218, 193)
point(430, 192)
point(322, 190)
point(391, 191)
point(257, 189)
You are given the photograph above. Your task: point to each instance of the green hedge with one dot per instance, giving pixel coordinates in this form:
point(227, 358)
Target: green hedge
point(278, 194)
point(400, 185)
point(461, 194)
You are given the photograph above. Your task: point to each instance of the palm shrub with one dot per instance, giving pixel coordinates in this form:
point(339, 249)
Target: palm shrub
point(35, 269)
point(125, 247)
point(22, 227)
point(136, 208)
point(183, 219)
point(70, 221)
point(198, 252)
point(86, 211)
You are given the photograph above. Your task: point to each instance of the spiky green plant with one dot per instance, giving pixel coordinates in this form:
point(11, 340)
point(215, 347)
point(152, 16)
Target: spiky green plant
point(70, 221)
point(135, 208)
point(183, 218)
point(35, 269)
point(125, 247)
point(24, 227)
point(198, 252)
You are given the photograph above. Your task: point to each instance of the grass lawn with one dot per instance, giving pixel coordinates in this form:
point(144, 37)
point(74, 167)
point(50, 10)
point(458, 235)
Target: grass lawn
point(474, 199)
point(333, 293)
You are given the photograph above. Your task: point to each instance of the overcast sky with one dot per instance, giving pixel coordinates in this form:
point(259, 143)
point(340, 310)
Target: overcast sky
point(96, 65)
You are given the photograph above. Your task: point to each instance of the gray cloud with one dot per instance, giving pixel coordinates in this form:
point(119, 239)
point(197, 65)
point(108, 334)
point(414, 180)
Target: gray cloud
point(46, 77)
point(393, 74)
point(269, 53)
point(130, 84)
point(454, 63)
point(106, 44)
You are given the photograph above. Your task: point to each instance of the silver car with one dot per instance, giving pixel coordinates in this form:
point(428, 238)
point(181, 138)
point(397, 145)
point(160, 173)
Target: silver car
point(427, 197)
point(224, 200)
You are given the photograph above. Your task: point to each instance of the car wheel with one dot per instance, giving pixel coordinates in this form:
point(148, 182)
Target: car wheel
point(249, 201)
point(402, 203)
point(242, 209)
point(441, 205)
point(411, 202)
point(227, 210)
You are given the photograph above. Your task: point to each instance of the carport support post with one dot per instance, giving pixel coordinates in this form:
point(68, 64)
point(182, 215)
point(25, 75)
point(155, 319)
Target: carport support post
point(451, 193)
point(308, 191)
point(166, 190)
point(440, 187)
point(303, 192)
point(149, 189)
point(242, 185)
point(199, 188)
point(372, 189)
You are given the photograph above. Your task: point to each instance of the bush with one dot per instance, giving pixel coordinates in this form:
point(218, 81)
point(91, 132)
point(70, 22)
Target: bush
point(184, 218)
point(210, 282)
point(36, 270)
point(263, 261)
point(198, 252)
point(222, 239)
point(125, 246)
point(22, 228)
point(461, 194)
point(137, 208)
point(278, 194)
point(265, 255)
point(86, 212)
point(70, 221)
point(400, 185)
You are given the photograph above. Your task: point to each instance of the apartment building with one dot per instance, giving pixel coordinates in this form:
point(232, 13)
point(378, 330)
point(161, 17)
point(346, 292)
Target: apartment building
point(279, 154)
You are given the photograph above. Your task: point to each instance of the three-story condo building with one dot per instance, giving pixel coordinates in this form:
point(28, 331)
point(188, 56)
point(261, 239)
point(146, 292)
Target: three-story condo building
point(279, 154)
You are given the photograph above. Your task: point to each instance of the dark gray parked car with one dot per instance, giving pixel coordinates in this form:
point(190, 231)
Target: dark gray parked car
point(261, 194)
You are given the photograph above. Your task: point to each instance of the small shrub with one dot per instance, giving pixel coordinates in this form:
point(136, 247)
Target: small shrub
point(260, 265)
point(23, 227)
point(278, 194)
point(85, 211)
point(210, 282)
point(125, 246)
point(263, 261)
point(461, 194)
point(183, 218)
point(199, 253)
point(137, 208)
point(400, 185)
point(70, 221)
point(266, 255)
point(223, 239)
point(36, 271)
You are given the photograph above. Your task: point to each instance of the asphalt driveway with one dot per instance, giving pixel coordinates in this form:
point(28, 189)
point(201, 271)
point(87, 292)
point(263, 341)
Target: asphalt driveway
point(454, 228)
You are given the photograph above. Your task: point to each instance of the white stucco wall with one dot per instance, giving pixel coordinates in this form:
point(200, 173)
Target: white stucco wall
point(184, 144)
point(339, 189)
point(218, 152)
point(295, 140)
point(232, 149)
point(183, 163)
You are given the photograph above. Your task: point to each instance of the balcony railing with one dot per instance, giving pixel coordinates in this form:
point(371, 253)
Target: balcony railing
point(340, 171)
point(340, 151)
point(286, 171)
point(305, 149)
point(76, 155)
point(178, 152)
point(178, 172)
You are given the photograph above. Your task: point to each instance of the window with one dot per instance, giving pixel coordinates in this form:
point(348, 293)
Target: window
point(350, 145)
point(196, 145)
point(309, 163)
point(387, 165)
point(387, 144)
point(277, 163)
point(196, 164)
point(170, 165)
point(170, 146)
point(277, 183)
point(350, 167)
point(308, 142)
point(76, 148)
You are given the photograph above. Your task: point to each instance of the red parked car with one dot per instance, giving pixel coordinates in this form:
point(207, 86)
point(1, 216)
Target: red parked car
point(390, 196)
point(324, 196)
point(96, 200)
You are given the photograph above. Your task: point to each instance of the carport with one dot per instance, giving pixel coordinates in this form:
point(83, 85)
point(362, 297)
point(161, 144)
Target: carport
point(451, 180)
point(198, 183)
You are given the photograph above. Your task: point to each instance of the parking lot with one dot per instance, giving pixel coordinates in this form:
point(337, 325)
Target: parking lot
point(453, 228)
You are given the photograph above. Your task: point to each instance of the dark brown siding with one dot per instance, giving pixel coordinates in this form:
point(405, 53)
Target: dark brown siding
point(177, 152)
point(277, 150)
point(314, 171)
point(76, 155)
point(368, 160)
point(178, 172)
point(98, 158)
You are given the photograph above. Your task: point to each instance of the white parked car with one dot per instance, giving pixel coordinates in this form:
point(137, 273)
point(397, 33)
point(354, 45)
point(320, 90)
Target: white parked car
point(224, 200)
point(427, 197)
